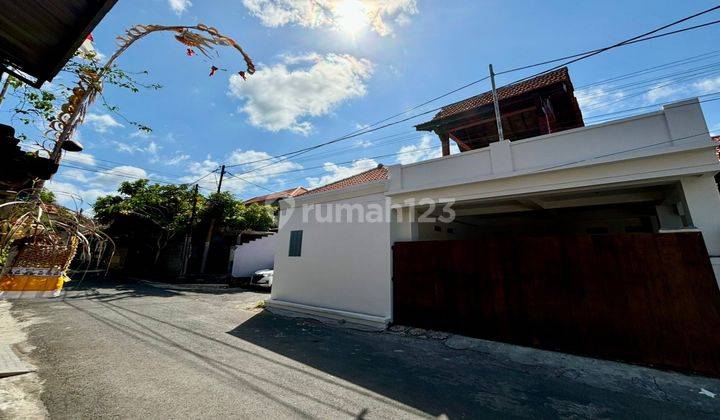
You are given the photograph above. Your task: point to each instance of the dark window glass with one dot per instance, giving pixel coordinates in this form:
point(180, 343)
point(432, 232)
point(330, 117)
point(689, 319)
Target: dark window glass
point(295, 243)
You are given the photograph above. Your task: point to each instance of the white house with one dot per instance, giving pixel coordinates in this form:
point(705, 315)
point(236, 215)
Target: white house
point(647, 173)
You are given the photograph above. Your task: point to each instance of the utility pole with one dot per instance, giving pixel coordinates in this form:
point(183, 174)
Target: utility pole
point(498, 117)
point(5, 86)
point(212, 226)
point(222, 175)
point(189, 234)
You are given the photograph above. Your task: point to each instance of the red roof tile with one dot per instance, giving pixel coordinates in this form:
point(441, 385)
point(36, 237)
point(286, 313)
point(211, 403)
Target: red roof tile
point(380, 173)
point(292, 192)
point(557, 76)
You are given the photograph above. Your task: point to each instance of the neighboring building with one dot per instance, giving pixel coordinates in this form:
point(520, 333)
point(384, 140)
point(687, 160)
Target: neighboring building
point(273, 198)
point(256, 250)
point(637, 195)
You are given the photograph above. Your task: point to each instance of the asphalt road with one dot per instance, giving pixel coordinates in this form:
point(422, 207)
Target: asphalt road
point(149, 352)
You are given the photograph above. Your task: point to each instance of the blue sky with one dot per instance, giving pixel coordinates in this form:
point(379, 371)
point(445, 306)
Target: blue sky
point(324, 72)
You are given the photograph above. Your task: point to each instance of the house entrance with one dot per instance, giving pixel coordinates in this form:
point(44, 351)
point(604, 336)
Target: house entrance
point(605, 281)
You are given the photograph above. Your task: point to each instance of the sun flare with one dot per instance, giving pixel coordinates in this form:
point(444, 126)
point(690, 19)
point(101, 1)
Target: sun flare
point(351, 16)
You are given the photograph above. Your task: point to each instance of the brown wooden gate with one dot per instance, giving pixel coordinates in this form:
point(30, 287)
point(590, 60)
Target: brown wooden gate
point(643, 298)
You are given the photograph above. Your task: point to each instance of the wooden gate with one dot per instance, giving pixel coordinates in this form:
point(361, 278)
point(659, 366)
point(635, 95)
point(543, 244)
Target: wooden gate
point(642, 298)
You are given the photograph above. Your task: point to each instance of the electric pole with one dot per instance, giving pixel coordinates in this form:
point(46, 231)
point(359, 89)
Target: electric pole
point(498, 117)
point(189, 234)
point(212, 226)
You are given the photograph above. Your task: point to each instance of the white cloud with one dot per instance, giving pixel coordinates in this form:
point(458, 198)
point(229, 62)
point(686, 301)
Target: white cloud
point(127, 147)
point(151, 149)
point(338, 172)
point(280, 98)
point(597, 98)
point(708, 85)
point(179, 6)
point(379, 15)
point(140, 134)
point(78, 189)
point(662, 91)
point(612, 98)
point(250, 165)
point(102, 122)
point(363, 143)
point(83, 158)
point(177, 159)
point(427, 148)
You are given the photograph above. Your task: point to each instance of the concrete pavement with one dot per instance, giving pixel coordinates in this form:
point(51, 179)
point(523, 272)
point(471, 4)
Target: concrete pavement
point(148, 351)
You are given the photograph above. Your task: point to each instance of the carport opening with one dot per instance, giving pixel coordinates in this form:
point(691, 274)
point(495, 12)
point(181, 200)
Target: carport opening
point(629, 211)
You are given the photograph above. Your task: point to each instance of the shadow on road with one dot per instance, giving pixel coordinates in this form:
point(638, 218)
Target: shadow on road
point(108, 290)
point(379, 363)
point(291, 359)
point(146, 329)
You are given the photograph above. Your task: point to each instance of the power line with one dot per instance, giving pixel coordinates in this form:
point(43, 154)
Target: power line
point(203, 177)
point(70, 158)
point(457, 196)
point(381, 124)
point(121, 175)
point(73, 158)
point(574, 58)
point(430, 148)
point(659, 67)
point(686, 74)
point(248, 182)
point(634, 95)
point(406, 136)
point(639, 38)
point(648, 107)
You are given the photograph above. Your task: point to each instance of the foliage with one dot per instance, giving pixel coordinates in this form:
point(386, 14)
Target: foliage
point(91, 80)
point(39, 108)
point(234, 214)
point(167, 207)
point(47, 196)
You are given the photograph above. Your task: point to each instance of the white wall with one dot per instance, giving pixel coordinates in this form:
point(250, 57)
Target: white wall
point(343, 267)
point(703, 203)
point(253, 256)
point(678, 125)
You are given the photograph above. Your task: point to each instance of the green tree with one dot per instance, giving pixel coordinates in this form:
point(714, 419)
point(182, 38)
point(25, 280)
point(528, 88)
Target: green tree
point(37, 109)
point(233, 214)
point(167, 207)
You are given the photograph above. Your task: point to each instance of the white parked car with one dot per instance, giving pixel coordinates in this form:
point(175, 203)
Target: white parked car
point(262, 277)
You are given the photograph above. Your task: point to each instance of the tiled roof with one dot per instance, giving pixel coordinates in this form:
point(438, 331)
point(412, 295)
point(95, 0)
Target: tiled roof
point(557, 76)
point(292, 192)
point(380, 173)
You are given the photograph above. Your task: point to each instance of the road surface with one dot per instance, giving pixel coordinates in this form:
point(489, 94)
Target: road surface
point(140, 351)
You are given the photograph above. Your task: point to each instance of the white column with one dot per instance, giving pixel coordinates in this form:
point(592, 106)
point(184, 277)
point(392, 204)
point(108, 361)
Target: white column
point(703, 204)
point(686, 122)
point(403, 226)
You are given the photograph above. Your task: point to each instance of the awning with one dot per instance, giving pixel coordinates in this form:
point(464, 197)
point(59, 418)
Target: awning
point(37, 37)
